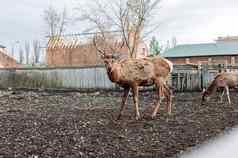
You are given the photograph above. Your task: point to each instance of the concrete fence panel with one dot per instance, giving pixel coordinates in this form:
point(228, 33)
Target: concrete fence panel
point(183, 78)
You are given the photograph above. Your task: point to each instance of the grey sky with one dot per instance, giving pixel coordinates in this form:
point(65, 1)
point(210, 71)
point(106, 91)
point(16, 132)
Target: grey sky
point(23, 20)
point(199, 20)
point(190, 21)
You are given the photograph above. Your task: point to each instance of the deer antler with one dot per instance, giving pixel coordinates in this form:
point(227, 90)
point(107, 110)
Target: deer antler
point(112, 46)
point(102, 53)
point(123, 43)
point(116, 46)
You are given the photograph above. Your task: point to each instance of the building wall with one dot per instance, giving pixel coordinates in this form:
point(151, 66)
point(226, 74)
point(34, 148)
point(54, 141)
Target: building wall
point(230, 60)
point(83, 55)
point(7, 61)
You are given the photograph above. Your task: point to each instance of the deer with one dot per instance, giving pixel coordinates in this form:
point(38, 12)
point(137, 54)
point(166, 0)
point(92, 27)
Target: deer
point(225, 80)
point(130, 73)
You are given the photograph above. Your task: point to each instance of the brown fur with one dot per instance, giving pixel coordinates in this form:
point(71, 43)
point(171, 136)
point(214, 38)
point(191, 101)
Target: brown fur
point(131, 73)
point(222, 80)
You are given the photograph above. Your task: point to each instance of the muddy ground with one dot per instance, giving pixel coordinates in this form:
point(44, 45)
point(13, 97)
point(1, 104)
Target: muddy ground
point(69, 125)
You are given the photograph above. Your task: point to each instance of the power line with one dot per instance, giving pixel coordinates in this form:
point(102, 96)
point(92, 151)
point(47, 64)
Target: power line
point(85, 33)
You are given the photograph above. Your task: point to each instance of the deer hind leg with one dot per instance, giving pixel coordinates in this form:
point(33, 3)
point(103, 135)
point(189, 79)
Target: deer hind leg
point(160, 97)
point(135, 98)
point(168, 95)
point(221, 96)
point(159, 89)
point(124, 99)
point(228, 94)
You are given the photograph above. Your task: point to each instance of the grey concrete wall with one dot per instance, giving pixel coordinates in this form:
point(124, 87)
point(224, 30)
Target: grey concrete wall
point(183, 78)
point(85, 78)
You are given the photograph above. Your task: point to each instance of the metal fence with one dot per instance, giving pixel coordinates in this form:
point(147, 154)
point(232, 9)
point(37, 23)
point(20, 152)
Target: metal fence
point(73, 77)
point(195, 78)
point(183, 78)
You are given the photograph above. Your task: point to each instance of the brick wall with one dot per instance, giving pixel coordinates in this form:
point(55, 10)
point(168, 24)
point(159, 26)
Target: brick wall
point(230, 60)
point(7, 61)
point(82, 54)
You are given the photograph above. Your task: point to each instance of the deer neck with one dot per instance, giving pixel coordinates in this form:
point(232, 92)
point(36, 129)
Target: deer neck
point(112, 71)
point(212, 88)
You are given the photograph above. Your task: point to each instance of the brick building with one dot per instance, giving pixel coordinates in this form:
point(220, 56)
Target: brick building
point(223, 51)
point(66, 53)
point(5, 60)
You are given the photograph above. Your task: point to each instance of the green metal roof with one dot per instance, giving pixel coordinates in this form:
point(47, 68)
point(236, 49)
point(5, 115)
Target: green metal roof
point(207, 49)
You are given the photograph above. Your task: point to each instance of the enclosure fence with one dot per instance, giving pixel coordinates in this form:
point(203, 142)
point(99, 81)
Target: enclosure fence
point(183, 78)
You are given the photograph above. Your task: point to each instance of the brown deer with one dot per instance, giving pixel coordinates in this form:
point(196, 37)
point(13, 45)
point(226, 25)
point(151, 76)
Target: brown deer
point(224, 80)
point(130, 73)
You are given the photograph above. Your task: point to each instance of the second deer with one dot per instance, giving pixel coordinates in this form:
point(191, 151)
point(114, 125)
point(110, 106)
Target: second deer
point(224, 80)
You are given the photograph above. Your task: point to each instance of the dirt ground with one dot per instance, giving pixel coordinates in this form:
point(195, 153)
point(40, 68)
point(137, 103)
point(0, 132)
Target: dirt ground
point(69, 125)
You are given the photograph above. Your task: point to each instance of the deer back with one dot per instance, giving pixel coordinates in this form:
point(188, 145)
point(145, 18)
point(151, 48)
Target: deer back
point(162, 67)
point(228, 78)
point(134, 70)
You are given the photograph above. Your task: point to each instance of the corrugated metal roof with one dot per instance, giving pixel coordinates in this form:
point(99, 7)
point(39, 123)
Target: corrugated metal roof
point(207, 49)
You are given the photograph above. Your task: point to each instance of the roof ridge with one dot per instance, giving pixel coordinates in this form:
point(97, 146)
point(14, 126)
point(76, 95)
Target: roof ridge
point(196, 44)
point(202, 49)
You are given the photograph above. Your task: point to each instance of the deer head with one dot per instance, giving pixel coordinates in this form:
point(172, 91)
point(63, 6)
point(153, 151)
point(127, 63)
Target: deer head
point(205, 96)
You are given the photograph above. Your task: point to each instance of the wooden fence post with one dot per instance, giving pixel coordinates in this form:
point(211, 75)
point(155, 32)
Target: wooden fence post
point(219, 68)
point(205, 76)
point(200, 86)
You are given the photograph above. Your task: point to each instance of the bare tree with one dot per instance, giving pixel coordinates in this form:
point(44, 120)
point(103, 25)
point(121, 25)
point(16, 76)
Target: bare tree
point(167, 45)
point(27, 52)
point(21, 55)
point(174, 41)
point(36, 51)
point(130, 17)
point(13, 51)
point(55, 20)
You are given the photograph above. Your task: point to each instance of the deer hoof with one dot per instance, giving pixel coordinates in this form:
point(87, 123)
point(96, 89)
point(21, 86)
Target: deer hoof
point(153, 116)
point(138, 117)
point(118, 117)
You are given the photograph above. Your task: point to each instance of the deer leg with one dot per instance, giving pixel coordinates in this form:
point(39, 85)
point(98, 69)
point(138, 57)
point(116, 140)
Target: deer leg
point(135, 98)
point(159, 90)
point(124, 99)
point(221, 96)
point(160, 97)
point(228, 94)
point(168, 96)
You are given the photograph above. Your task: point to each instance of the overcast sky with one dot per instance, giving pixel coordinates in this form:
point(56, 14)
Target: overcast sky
point(190, 21)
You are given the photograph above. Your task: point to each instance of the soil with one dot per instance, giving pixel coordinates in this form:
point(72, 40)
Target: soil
point(72, 124)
